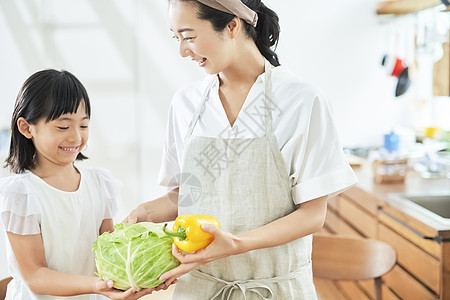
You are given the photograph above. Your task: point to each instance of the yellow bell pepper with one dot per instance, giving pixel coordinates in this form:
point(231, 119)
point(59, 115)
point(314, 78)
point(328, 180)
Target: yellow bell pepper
point(188, 234)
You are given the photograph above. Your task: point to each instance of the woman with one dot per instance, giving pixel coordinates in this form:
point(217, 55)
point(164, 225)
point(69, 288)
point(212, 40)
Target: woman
point(255, 147)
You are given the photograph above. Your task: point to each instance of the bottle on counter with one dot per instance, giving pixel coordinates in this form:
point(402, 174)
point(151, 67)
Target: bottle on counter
point(389, 165)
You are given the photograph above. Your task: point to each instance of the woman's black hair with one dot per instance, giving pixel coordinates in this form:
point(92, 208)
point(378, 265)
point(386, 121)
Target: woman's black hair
point(265, 34)
point(46, 94)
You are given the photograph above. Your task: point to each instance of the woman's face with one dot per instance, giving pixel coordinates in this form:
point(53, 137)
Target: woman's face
point(197, 38)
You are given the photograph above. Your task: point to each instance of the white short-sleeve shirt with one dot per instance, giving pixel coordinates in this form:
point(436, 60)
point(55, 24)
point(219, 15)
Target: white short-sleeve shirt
point(302, 124)
point(69, 223)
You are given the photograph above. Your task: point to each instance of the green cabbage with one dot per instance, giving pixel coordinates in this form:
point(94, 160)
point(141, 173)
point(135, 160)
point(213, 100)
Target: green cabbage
point(134, 255)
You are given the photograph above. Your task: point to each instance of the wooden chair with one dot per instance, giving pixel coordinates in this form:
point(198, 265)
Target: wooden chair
point(3, 284)
point(337, 257)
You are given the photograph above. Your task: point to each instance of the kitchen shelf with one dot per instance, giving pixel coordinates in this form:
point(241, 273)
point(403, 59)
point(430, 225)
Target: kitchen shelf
point(402, 7)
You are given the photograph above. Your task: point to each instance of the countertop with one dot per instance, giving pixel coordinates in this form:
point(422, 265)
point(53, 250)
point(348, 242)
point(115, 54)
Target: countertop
point(413, 184)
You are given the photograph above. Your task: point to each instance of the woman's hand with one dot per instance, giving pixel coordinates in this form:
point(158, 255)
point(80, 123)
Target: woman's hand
point(164, 285)
point(225, 244)
point(106, 288)
point(163, 209)
point(139, 214)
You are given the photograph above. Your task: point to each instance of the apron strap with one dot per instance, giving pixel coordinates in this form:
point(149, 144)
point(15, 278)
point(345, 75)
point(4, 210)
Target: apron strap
point(256, 286)
point(268, 96)
point(199, 110)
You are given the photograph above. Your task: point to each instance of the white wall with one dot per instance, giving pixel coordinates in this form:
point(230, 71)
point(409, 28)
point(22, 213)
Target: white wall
point(123, 53)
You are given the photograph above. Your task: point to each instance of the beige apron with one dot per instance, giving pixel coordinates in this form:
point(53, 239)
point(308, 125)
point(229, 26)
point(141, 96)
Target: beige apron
point(244, 183)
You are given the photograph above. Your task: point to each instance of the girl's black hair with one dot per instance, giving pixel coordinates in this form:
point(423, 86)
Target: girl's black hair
point(46, 94)
point(265, 34)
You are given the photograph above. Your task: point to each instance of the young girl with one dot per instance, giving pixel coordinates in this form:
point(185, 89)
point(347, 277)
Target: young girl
point(261, 147)
point(52, 210)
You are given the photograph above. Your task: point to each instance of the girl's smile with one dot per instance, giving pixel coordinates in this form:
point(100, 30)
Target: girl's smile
point(70, 150)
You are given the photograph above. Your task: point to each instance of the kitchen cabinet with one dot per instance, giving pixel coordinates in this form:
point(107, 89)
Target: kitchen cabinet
point(419, 268)
point(423, 252)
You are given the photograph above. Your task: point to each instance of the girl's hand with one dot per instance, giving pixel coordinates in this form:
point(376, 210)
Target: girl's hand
point(106, 288)
point(224, 245)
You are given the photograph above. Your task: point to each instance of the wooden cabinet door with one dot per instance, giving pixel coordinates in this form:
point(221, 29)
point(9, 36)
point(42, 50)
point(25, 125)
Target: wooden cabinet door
point(419, 263)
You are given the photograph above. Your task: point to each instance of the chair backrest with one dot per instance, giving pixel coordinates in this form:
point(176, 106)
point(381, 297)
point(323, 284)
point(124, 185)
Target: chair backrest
point(340, 257)
point(3, 284)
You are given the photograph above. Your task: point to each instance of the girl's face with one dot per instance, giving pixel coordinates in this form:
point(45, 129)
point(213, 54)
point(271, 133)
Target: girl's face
point(58, 142)
point(197, 38)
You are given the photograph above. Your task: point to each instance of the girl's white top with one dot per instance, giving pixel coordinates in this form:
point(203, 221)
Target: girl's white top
point(69, 222)
point(302, 124)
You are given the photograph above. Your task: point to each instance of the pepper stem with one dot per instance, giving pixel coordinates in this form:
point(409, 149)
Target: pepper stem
point(180, 233)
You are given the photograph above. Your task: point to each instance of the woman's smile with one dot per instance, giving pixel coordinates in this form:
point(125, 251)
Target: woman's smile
point(202, 63)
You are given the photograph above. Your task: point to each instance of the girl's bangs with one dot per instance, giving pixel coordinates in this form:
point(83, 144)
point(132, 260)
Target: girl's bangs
point(66, 97)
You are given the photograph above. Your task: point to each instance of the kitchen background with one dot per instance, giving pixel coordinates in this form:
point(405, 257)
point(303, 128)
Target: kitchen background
point(124, 54)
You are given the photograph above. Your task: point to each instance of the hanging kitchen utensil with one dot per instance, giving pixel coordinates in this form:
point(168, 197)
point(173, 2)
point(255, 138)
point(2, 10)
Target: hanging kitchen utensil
point(441, 73)
point(396, 67)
